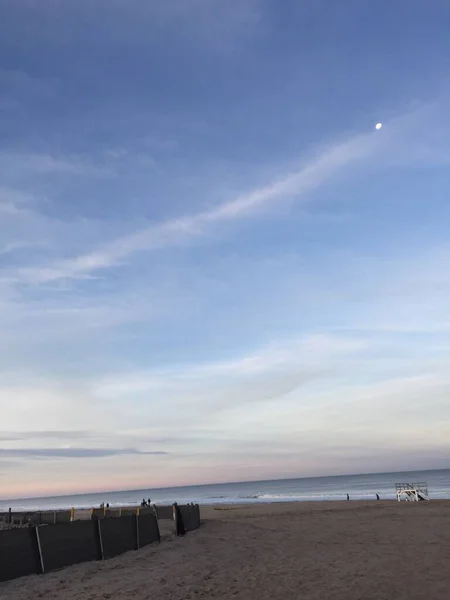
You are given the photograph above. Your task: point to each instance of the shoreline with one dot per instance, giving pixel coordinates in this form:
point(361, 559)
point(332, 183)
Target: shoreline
point(220, 502)
point(206, 505)
point(233, 503)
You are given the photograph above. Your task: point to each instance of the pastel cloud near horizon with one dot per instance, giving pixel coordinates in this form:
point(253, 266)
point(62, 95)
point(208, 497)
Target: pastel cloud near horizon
point(239, 280)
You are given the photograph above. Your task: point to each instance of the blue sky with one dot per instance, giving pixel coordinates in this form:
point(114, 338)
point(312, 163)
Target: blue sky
point(212, 266)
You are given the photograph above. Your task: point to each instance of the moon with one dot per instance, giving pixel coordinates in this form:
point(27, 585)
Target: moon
point(378, 125)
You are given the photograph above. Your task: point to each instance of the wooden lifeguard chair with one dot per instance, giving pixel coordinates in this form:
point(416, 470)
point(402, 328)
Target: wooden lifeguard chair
point(412, 492)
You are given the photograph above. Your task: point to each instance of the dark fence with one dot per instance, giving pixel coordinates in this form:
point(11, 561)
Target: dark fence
point(127, 512)
point(164, 512)
point(118, 536)
point(51, 517)
point(64, 542)
point(148, 530)
point(196, 515)
point(46, 518)
point(37, 518)
point(50, 547)
point(148, 510)
point(17, 553)
point(114, 513)
point(67, 544)
point(187, 518)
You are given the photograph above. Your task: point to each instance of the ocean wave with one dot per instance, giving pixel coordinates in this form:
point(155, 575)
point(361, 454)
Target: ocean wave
point(270, 497)
point(251, 497)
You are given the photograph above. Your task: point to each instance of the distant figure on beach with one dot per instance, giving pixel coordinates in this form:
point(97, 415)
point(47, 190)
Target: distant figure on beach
point(102, 505)
point(144, 503)
point(348, 497)
point(107, 505)
point(378, 497)
point(149, 502)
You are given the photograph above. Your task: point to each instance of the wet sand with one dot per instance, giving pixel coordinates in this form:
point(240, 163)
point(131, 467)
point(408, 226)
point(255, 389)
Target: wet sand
point(333, 551)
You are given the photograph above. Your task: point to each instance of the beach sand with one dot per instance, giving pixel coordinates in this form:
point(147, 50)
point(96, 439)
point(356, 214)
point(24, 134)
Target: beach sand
point(330, 551)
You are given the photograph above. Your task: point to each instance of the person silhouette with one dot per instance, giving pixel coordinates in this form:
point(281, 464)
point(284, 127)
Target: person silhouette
point(348, 497)
point(378, 497)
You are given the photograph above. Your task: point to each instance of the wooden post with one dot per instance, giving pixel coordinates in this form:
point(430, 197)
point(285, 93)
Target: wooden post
point(157, 528)
point(9, 516)
point(136, 530)
point(36, 547)
point(190, 526)
point(41, 556)
point(175, 518)
point(37, 550)
point(179, 525)
point(54, 517)
point(98, 538)
point(72, 514)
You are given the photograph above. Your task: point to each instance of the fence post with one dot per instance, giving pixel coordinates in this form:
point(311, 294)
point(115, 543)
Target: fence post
point(10, 516)
point(72, 514)
point(136, 530)
point(98, 538)
point(37, 550)
point(157, 528)
point(54, 517)
point(190, 526)
point(179, 525)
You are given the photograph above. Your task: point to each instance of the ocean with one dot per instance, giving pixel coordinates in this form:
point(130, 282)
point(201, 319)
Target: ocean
point(359, 487)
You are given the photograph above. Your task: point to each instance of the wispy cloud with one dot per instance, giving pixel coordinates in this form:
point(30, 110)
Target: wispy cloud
point(73, 452)
point(15, 164)
point(15, 202)
point(19, 245)
point(297, 184)
point(220, 25)
point(270, 374)
point(11, 436)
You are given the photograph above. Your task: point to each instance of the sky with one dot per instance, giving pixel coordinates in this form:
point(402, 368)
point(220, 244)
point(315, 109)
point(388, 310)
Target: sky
point(212, 266)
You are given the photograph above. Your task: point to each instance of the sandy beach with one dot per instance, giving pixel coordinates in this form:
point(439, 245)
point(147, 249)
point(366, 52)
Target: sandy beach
point(340, 550)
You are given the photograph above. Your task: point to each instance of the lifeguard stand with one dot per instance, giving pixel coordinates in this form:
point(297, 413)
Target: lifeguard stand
point(412, 492)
